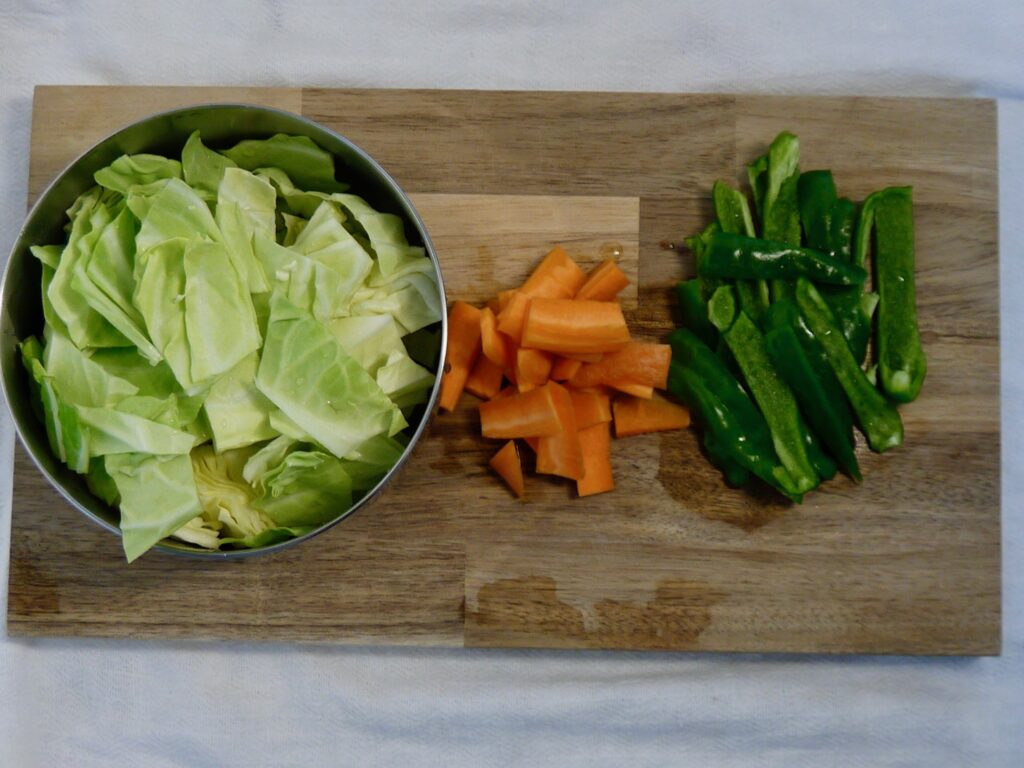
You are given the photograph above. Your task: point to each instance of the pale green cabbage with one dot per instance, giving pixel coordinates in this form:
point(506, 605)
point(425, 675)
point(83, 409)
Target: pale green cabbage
point(232, 343)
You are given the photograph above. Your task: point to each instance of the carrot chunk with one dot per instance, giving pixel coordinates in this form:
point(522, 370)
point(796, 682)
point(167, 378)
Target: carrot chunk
point(634, 416)
point(524, 414)
point(645, 391)
point(506, 392)
point(566, 326)
point(561, 454)
point(484, 380)
point(590, 408)
point(556, 277)
point(584, 357)
point(636, 363)
point(506, 463)
point(564, 368)
point(463, 350)
point(493, 343)
point(510, 321)
point(596, 444)
point(532, 367)
point(603, 283)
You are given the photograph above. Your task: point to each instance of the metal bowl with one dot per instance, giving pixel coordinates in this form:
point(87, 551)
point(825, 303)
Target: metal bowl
point(166, 133)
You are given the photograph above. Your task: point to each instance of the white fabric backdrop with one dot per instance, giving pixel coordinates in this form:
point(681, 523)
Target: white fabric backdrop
point(75, 703)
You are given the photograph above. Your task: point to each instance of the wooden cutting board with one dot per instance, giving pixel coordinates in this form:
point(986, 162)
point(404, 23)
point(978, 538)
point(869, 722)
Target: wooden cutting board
point(909, 562)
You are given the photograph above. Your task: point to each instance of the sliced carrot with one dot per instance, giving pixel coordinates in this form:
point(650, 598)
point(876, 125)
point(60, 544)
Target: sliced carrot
point(532, 366)
point(533, 442)
point(556, 277)
point(644, 391)
point(590, 408)
point(484, 380)
point(524, 414)
point(636, 363)
point(584, 357)
point(510, 321)
point(504, 297)
point(634, 416)
point(506, 463)
point(525, 386)
point(463, 350)
point(568, 326)
point(564, 368)
point(506, 392)
point(603, 283)
point(561, 454)
point(493, 306)
point(494, 344)
point(596, 444)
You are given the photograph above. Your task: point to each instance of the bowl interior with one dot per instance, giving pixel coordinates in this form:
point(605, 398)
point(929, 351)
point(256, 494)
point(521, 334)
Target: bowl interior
point(166, 133)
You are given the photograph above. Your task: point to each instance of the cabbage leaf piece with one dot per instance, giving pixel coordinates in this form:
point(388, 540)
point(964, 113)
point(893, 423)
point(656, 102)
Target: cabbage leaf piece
point(158, 496)
point(306, 373)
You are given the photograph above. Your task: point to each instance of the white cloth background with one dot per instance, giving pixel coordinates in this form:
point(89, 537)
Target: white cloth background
point(91, 703)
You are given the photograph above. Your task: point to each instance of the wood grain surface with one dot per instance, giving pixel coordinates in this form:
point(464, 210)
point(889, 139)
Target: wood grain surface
point(908, 562)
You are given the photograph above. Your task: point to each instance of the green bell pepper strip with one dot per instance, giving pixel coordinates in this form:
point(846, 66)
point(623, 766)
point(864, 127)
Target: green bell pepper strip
point(901, 361)
point(733, 215)
point(693, 310)
point(877, 417)
point(736, 427)
point(828, 224)
point(715, 421)
point(821, 397)
point(698, 245)
point(823, 464)
point(816, 196)
point(781, 214)
point(757, 175)
point(841, 228)
point(865, 228)
point(730, 256)
point(770, 392)
point(732, 209)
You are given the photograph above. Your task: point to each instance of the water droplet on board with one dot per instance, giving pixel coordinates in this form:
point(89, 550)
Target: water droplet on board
point(611, 251)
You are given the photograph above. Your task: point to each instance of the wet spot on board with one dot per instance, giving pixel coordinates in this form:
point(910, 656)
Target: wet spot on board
point(454, 443)
point(36, 591)
point(688, 476)
point(528, 612)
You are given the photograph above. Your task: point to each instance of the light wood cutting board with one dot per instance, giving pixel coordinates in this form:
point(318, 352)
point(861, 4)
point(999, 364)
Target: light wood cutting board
point(909, 562)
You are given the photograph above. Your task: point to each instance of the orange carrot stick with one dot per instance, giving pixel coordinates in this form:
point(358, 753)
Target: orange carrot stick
point(634, 416)
point(561, 454)
point(525, 414)
point(532, 366)
point(590, 408)
point(645, 391)
point(463, 350)
point(510, 321)
point(564, 368)
point(596, 444)
point(506, 463)
point(484, 380)
point(603, 283)
point(506, 392)
point(493, 343)
point(566, 326)
point(584, 357)
point(556, 277)
point(636, 363)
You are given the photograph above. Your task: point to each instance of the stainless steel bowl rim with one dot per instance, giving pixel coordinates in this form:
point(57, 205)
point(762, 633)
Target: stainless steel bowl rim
point(410, 212)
